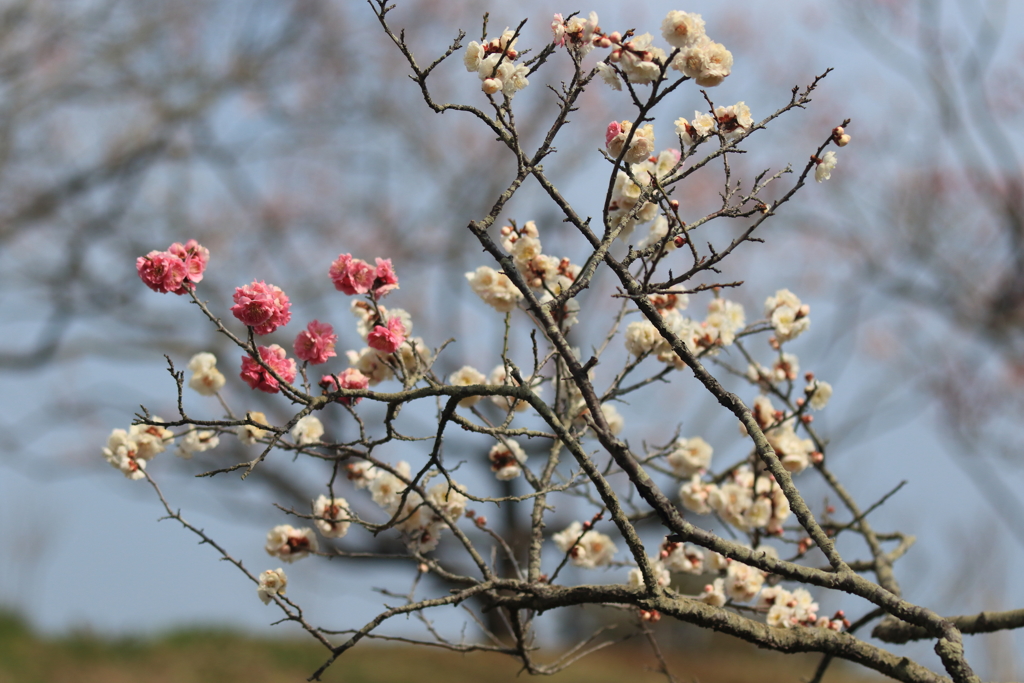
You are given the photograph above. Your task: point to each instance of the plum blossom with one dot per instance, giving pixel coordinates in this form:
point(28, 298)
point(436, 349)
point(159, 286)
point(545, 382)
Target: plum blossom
point(315, 344)
point(466, 376)
point(196, 441)
point(194, 256)
point(609, 76)
point(307, 430)
point(641, 337)
point(257, 377)
point(332, 516)
point(690, 456)
point(714, 593)
point(351, 378)
point(587, 549)
point(387, 339)
point(247, 433)
point(271, 582)
point(494, 63)
point(162, 272)
point(693, 132)
point(734, 121)
point(370, 364)
point(789, 609)
point(679, 557)
point(351, 275)
point(206, 379)
point(640, 60)
point(507, 459)
point(825, 166)
point(682, 29)
point(122, 452)
point(725, 319)
point(661, 575)
point(577, 33)
point(290, 544)
point(640, 147)
point(694, 495)
point(495, 288)
point(820, 392)
point(743, 582)
point(706, 61)
point(262, 307)
point(787, 315)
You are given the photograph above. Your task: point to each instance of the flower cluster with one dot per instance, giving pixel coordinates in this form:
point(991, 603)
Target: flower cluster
point(176, 270)
point(638, 59)
point(196, 441)
point(725, 319)
point(288, 543)
point(206, 379)
point(641, 145)
point(262, 307)
point(129, 450)
point(315, 344)
point(258, 377)
point(494, 62)
point(332, 516)
point(787, 315)
point(420, 520)
point(494, 288)
point(587, 549)
point(744, 500)
point(350, 378)
point(625, 208)
point(507, 460)
point(355, 276)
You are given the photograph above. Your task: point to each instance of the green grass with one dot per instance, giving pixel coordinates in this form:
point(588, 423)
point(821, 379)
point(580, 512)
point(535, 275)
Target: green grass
point(204, 655)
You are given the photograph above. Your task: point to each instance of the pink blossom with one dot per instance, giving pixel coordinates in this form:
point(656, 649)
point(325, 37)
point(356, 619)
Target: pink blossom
point(256, 377)
point(316, 343)
point(385, 279)
point(262, 307)
point(614, 129)
point(387, 339)
point(350, 379)
point(352, 276)
point(194, 255)
point(162, 271)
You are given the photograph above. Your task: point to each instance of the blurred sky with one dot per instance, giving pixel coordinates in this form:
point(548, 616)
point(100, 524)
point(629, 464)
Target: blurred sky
point(82, 547)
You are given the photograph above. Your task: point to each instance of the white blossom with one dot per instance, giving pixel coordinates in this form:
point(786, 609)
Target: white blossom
point(332, 516)
point(823, 171)
point(690, 456)
point(682, 29)
point(196, 441)
point(714, 593)
point(593, 549)
point(608, 75)
point(743, 582)
point(661, 575)
point(307, 430)
point(820, 393)
point(248, 434)
point(206, 379)
point(271, 582)
point(290, 544)
point(465, 376)
point(707, 62)
point(507, 460)
point(494, 288)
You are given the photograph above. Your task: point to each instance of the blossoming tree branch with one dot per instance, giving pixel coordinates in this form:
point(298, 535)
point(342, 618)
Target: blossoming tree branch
point(764, 552)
